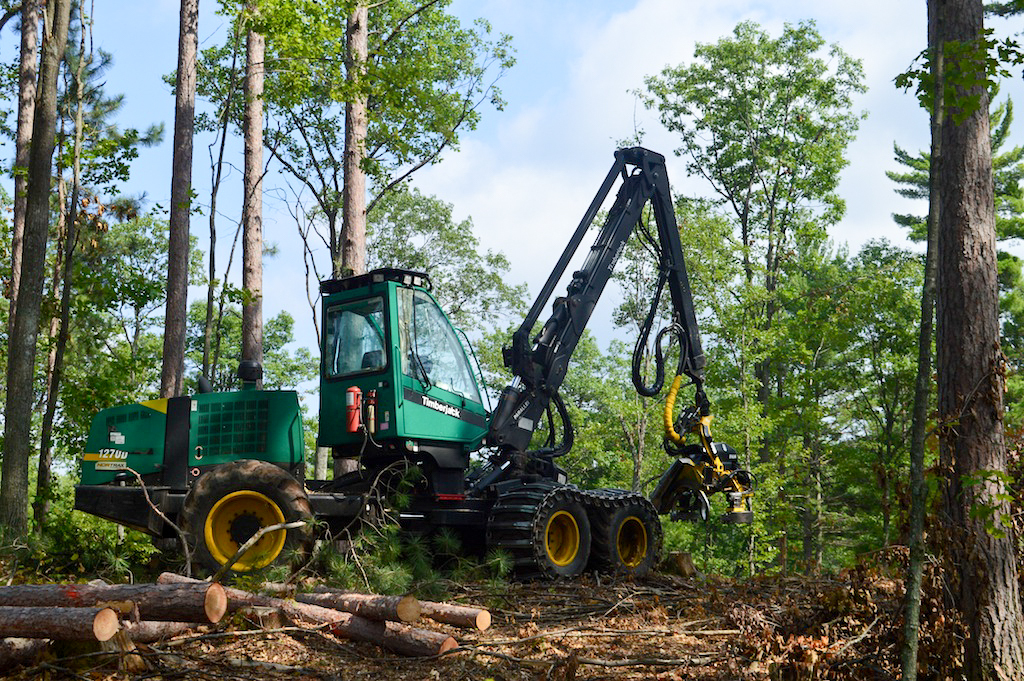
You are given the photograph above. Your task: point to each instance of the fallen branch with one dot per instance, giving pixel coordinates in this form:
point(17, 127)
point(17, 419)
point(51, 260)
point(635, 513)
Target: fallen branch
point(251, 542)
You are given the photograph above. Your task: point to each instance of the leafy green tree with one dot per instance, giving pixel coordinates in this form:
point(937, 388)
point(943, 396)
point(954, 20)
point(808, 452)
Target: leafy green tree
point(409, 230)
point(766, 122)
point(283, 368)
point(884, 306)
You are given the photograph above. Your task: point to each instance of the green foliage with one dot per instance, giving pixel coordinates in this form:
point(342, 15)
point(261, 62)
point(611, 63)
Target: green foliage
point(283, 368)
point(383, 559)
point(75, 545)
point(406, 229)
point(969, 67)
point(761, 118)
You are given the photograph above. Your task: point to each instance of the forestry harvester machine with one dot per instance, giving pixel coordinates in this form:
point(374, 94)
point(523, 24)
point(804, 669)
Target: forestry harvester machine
point(398, 388)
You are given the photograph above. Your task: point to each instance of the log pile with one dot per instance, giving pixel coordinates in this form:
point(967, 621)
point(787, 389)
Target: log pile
point(120, 615)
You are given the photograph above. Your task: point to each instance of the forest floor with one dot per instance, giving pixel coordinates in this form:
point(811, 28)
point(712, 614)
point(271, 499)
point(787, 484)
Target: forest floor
point(663, 627)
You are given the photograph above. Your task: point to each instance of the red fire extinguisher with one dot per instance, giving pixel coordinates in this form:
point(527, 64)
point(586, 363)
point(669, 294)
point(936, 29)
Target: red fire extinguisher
point(353, 408)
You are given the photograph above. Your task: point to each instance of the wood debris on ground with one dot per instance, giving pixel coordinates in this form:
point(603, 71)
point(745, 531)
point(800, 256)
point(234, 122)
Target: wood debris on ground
point(664, 627)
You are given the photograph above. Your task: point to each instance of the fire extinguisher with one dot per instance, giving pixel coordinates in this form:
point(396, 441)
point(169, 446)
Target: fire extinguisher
point(353, 408)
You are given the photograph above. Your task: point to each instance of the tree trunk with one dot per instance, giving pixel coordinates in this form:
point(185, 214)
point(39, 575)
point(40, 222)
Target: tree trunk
point(26, 112)
point(352, 258)
point(971, 372)
point(353, 229)
point(923, 381)
point(391, 608)
point(463, 616)
point(66, 624)
point(252, 209)
point(22, 343)
point(199, 602)
point(41, 504)
point(216, 173)
point(20, 651)
point(172, 377)
point(391, 635)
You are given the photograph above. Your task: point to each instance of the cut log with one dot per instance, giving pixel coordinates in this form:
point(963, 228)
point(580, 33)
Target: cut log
point(398, 638)
point(199, 602)
point(15, 651)
point(392, 608)
point(128, 659)
point(457, 615)
point(149, 631)
point(68, 624)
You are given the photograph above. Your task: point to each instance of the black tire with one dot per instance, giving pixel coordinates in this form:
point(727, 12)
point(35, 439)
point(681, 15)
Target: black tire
point(561, 535)
point(232, 502)
point(627, 539)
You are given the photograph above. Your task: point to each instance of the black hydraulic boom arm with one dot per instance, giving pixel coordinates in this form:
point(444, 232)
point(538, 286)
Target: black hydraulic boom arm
point(539, 366)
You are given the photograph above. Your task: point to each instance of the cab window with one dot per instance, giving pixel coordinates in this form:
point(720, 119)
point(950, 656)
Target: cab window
point(355, 341)
point(430, 349)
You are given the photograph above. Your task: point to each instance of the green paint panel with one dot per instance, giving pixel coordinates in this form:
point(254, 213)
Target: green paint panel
point(122, 437)
point(223, 427)
point(249, 424)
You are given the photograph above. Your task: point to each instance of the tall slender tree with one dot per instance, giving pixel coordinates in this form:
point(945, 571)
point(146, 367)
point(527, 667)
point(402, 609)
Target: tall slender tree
point(353, 227)
point(173, 375)
point(27, 68)
point(971, 367)
point(252, 207)
point(923, 380)
point(22, 343)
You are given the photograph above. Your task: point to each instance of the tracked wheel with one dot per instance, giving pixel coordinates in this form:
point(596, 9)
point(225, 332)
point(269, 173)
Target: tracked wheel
point(627, 537)
point(544, 528)
point(231, 503)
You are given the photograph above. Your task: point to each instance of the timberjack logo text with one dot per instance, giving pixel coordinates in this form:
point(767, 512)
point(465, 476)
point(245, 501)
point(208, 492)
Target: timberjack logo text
point(441, 407)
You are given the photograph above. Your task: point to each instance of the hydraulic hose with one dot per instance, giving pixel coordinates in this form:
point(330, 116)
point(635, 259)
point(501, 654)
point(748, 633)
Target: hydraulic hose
point(670, 403)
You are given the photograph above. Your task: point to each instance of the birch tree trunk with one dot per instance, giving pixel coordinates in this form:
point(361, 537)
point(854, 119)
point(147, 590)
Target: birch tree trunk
point(971, 369)
point(172, 377)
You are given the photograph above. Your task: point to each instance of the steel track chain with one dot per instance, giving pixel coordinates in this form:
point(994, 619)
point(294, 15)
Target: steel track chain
point(512, 525)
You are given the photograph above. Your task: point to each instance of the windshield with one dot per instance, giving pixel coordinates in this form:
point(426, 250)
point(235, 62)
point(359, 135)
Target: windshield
point(431, 351)
point(354, 341)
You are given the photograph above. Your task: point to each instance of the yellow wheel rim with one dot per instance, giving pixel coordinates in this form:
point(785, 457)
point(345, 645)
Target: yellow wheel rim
point(631, 542)
point(236, 517)
point(562, 538)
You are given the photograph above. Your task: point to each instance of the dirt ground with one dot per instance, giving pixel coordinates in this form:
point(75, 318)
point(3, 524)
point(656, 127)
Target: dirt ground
point(665, 627)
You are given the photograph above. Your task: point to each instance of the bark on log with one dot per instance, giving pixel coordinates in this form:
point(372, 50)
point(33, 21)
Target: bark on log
point(15, 651)
point(373, 607)
point(150, 632)
point(68, 624)
point(457, 615)
point(398, 638)
point(199, 602)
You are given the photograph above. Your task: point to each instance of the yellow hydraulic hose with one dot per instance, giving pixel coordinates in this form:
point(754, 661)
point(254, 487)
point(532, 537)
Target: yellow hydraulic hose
point(670, 403)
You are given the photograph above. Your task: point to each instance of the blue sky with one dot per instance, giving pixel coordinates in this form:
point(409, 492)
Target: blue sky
point(527, 174)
